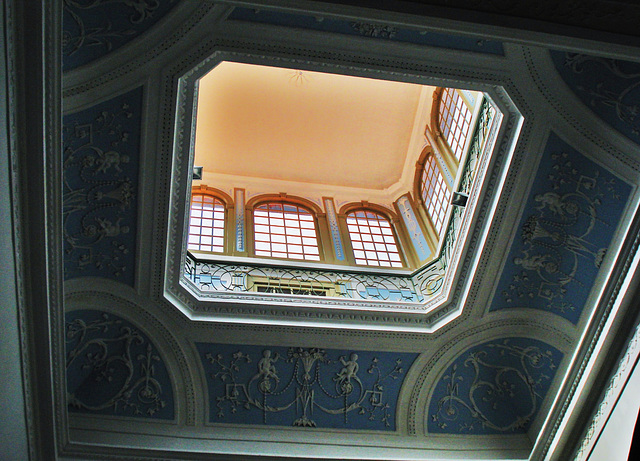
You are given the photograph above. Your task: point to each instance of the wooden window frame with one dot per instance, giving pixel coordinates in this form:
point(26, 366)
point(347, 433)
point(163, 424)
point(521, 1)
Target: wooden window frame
point(399, 236)
point(313, 209)
point(432, 234)
point(448, 103)
point(227, 203)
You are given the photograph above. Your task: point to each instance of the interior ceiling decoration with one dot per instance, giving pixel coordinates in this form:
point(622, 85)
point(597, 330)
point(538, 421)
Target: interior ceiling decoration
point(134, 377)
point(101, 164)
point(93, 29)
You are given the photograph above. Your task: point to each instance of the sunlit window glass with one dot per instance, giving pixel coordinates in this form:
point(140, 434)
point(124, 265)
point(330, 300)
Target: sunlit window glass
point(285, 230)
point(206, 224)
point(372, 239)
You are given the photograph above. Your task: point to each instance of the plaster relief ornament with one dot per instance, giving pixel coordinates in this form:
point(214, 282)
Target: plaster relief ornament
point(303, 387)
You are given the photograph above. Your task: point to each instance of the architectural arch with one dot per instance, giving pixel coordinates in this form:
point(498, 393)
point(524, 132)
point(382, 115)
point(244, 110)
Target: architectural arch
point(209, 215)
point(373, 233)
point(285, 226)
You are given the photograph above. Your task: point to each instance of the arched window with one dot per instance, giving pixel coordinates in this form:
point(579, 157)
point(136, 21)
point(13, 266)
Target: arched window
point(372, 239)
point(285, 230)
point(434, 192)
point(206, 223)
point(455, 119)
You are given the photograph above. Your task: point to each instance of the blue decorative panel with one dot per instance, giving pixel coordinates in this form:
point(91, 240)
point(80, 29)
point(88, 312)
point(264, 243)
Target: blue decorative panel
point(303, 387)
point(332, 220)
point(569, 220)
point(611, 88)
point(493, 388)
point(114, 369)
point(101, 155)
point(367, 30)
point(415, 231)
point(239, 203)
point(91, 29)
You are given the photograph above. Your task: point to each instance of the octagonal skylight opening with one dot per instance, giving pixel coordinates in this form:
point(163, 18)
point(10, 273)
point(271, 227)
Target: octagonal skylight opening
point(327, 189)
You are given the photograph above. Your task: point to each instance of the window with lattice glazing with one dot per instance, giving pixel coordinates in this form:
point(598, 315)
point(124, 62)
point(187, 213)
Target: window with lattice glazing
point(455, 118)
point(206, 223)
point(372, 239)
point(435, 193)
point(285, 230)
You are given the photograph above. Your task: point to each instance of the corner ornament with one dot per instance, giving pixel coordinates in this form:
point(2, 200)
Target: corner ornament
point(112, 368)
point(494, 388)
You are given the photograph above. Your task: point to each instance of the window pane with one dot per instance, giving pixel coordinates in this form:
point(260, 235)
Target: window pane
point(368, 237)
point(455, 118)
point(206, 220)
point(291, 229)
point(435, 194)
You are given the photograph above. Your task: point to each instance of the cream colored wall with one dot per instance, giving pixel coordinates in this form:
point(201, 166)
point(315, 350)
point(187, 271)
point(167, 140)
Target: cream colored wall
point(273, 130)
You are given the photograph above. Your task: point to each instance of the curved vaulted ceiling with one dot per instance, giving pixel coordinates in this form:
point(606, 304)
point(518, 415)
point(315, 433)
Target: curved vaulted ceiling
point(502, 380)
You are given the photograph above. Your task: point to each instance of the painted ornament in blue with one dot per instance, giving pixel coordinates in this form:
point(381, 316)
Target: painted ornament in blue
point(493, 388)
point(93, 28)
point(304, 387)
point(100, 182)
point(114, 369)
point(610, 87)
point(366, 29)
point(569, 220)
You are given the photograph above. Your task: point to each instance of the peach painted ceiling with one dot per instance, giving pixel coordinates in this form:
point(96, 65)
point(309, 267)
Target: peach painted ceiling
point(269, 123)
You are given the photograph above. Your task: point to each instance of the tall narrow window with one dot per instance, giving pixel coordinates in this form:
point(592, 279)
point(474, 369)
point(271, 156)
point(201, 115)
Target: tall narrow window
point(455, 119)
point(434, 192)
point(372, 239)
point(285, 230)
point(206, 224)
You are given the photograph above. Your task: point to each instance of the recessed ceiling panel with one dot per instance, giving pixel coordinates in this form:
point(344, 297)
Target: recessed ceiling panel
point(303, 126)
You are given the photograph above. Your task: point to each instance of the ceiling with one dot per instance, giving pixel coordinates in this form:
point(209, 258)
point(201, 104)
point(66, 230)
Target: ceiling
point(293, 125)
point(544, 281)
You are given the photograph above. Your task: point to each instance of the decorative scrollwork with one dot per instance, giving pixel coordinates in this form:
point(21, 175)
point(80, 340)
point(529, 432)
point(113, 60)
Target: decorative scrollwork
point(113, 368)
point(95, 27)
point(564, 233)
point(374, 30)
point(219, 276)
point(610, 87)
point(101, 150)
point(493, 388)
point(295, 385)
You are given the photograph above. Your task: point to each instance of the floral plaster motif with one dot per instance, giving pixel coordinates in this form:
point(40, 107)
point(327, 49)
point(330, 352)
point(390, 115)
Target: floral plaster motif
point(306, 387)
point(569, 220)
point(375, 31)
point(101, 151)
point(493, 388)
point(611, 88)
point(93, 28)
point(112, 368)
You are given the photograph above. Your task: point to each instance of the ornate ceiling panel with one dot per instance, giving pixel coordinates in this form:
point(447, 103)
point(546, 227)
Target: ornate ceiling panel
point(101, 159)
point(114, 369)
point(91, 30)
point(569, 220)
point(499, 377)
point(493, 388)
point(367, 29)
point(609, 87)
